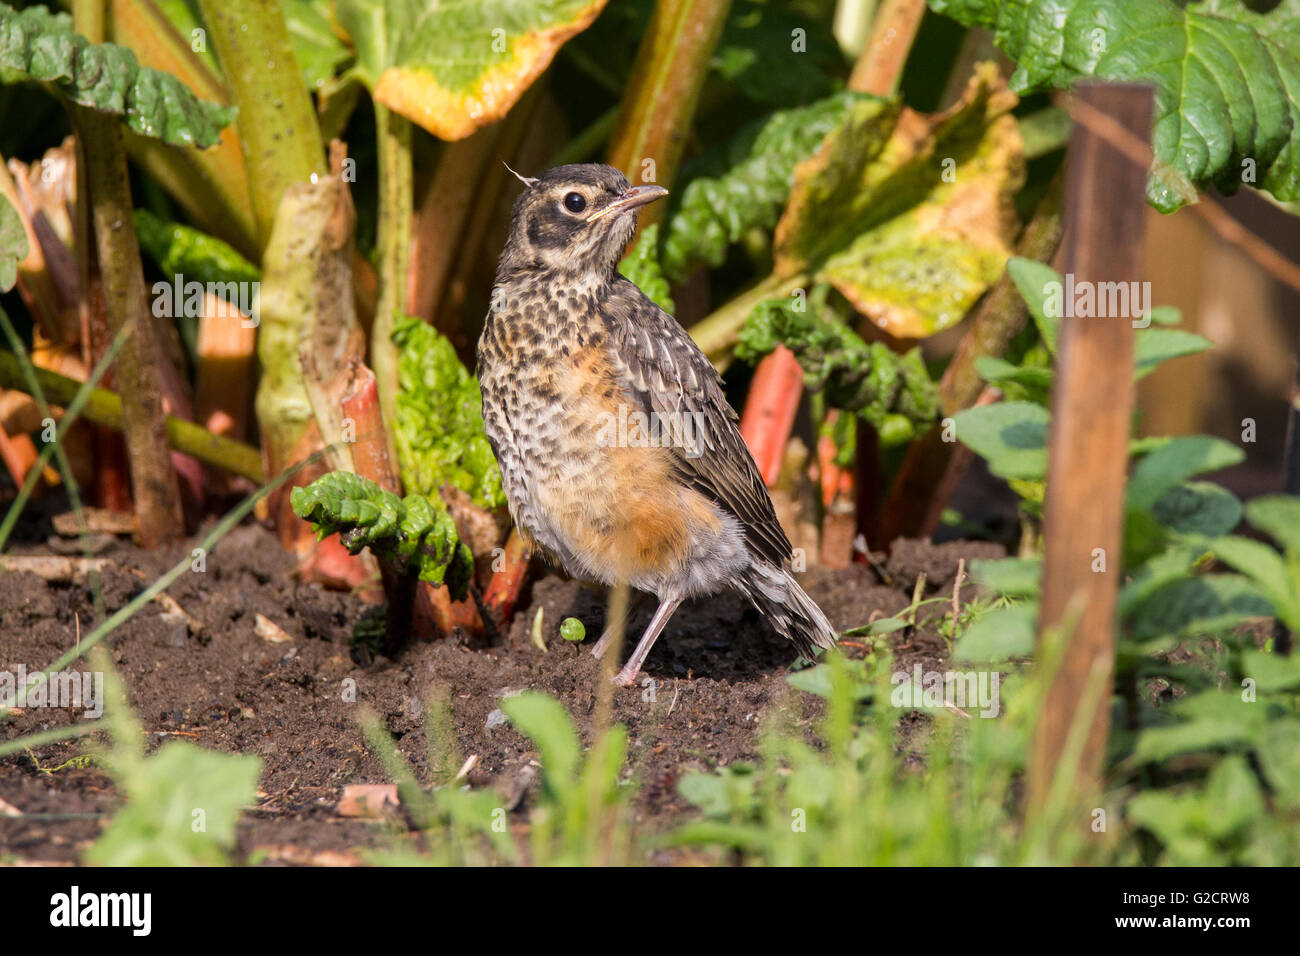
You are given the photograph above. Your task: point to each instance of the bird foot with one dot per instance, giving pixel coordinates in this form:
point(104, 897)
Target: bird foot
point(626, 677)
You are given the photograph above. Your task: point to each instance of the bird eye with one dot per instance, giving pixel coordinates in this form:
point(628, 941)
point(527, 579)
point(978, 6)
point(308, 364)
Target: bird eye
point(575, 202)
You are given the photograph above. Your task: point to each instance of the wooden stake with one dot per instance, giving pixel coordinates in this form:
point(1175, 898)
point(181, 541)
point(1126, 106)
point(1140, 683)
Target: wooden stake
point(1092, 404)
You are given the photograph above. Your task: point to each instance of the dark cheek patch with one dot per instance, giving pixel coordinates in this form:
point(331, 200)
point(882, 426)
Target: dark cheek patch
point(549, 229)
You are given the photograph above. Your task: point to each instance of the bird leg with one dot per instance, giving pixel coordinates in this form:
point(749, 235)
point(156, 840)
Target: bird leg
point(601, 646)
point(627, 676)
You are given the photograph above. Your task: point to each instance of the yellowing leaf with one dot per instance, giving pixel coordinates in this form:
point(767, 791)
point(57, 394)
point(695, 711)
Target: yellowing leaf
point(910, 217)
point(454, 67)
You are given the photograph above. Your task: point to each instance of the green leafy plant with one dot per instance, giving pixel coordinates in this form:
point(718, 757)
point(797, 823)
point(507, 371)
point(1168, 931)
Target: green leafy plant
point(1225, 77)
point(853, 800)
point(717, 211)
point(1277, 576)
point(1166, 511)
point(580, 816)
point(441, 67)
point(642, 266)
point(571, 629)
point(415, 532)
point(439, 428)
point(178, 249)
point(893, 392)
point(1203, 803)
point(38, 45)
point(13, 244)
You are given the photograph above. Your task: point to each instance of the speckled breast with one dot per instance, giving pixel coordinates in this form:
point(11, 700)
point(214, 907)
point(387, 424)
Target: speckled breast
point(608, 509)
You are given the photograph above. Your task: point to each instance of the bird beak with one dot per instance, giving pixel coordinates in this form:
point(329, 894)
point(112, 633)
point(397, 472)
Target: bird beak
point(634, 198)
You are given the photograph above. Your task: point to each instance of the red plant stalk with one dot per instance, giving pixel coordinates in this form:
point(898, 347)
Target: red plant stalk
point(671, 66)
point(770, 409)
point(441, 217)
point(50, 281)
point(508, 576)
point(142, 359)
point(224, 389)
point(932, 466)
point(192, 481)
point(19, 454)
point(837, 494)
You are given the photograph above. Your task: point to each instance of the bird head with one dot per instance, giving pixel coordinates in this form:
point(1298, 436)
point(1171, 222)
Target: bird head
point(575, 219)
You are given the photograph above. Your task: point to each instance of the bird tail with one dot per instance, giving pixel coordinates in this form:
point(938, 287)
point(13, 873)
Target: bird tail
point(778, 597)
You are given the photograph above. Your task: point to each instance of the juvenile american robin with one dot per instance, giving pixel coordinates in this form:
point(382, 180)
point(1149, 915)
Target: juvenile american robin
point(618, 451)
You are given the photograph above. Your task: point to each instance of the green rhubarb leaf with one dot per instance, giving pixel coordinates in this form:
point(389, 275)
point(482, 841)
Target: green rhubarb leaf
point(316, 47)
point(642, 267)
point(39, 46)
point(1227, 79)
point(778, 56)
point(455, 67)
point(716, 212)
point(185, 251)
point(439, 429)
point(910, 217)
point(893, 392)
point(13, 244)
point(415, 531)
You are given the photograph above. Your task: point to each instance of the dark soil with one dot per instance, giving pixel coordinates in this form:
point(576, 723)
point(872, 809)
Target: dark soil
point(719, 670)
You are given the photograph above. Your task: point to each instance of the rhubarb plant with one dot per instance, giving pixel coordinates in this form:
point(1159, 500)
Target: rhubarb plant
point(414, 532)
point(1226, 79)
point(41, 46)
point(439, 428)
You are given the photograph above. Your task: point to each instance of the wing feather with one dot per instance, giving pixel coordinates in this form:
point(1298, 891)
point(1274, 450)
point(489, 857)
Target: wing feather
point(667, 374)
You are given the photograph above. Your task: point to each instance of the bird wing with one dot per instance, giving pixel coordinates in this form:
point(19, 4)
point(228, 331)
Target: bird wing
point(667, 374)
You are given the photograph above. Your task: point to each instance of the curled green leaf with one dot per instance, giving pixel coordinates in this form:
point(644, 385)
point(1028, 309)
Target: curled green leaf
point(893, 392)
point(185, 251)
point(416, 532)
point(40, 46)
